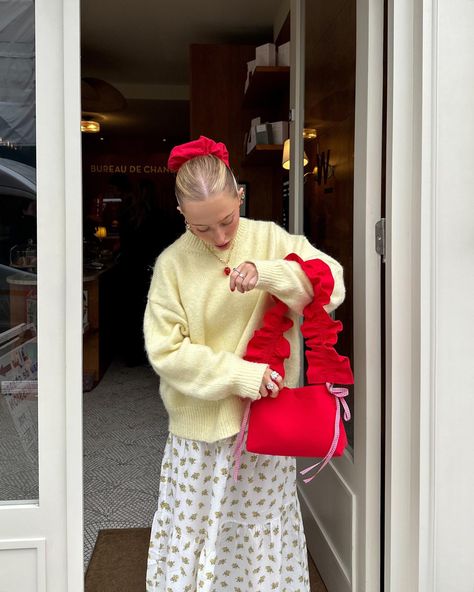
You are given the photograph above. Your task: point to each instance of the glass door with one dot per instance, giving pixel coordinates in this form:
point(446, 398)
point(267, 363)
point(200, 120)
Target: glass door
point(341, 187)
point(39, 137)
point(18, 259)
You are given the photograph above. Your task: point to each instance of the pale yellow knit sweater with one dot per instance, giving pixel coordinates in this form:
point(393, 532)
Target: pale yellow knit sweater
point(196, 329)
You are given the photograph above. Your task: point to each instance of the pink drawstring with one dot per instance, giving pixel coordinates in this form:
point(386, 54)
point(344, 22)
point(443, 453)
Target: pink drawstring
point(339, 393)
point(239, 444)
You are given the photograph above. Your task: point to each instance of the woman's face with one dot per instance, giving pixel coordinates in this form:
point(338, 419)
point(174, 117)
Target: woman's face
point(215, 219)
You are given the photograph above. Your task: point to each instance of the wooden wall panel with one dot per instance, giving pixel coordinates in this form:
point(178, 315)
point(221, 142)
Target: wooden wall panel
point(218, 74)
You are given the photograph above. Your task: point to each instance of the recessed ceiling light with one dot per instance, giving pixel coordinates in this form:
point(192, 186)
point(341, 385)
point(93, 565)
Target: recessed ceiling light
point(89, 126)
point(309, 133)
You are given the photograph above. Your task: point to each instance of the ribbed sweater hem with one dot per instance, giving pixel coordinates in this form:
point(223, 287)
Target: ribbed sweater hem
point(216, 421)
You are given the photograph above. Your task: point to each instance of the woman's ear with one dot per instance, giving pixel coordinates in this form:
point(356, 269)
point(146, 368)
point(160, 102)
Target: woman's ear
point(182, 214)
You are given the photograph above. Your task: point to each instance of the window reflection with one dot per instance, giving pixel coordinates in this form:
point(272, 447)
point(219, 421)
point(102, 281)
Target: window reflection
point(18, 296)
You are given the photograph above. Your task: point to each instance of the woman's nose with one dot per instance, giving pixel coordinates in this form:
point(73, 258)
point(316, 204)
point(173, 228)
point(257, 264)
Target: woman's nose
point(219, 237)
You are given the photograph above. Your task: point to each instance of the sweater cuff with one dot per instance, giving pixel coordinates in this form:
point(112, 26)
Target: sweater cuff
point(249, 379)
point(269, 274)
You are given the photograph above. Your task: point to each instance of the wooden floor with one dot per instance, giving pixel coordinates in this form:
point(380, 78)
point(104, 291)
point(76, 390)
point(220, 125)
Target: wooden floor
point(315, 580)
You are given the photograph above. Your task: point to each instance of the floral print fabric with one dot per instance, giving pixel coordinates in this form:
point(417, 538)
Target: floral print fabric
point(213, 534)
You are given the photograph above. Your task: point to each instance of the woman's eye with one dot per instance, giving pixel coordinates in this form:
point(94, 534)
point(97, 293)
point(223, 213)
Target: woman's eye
point(202, 229)
point(227, 223)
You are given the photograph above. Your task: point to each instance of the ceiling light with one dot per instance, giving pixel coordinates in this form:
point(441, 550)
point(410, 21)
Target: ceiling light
point(89, 126)
point(310, 133)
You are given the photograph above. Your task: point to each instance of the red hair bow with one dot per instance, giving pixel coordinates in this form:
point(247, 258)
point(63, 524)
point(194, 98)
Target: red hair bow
point(184, 152)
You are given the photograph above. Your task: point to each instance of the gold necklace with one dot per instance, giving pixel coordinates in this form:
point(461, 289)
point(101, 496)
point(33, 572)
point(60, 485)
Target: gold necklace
point(227, 269)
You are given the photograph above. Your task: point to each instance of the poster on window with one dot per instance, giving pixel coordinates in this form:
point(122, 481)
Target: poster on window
point(19, 386)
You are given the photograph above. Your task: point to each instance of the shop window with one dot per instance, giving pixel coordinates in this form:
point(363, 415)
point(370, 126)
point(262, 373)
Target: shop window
point(18, 303)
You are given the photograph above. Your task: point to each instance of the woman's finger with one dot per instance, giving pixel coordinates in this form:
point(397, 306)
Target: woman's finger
point(250, 280)
point(273, 388)
point(234, 274)
point(252, 283)
point(268, 387)
point(276, 377)
point(237, 277)
point(244, 277)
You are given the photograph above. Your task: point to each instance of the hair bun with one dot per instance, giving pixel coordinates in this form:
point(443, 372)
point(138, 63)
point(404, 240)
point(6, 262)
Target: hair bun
point(202, 147)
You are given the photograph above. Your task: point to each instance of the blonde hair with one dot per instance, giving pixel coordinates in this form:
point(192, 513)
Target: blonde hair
point(203, 176)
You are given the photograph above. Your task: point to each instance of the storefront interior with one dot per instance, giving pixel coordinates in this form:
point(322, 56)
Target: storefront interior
point(183, 82)
point(153, 77)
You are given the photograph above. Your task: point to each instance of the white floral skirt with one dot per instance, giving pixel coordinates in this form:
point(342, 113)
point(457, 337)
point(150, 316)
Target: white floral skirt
point(211, 533)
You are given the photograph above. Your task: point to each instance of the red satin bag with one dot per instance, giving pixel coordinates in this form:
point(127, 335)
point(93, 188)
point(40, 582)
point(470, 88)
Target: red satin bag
point(304, 421)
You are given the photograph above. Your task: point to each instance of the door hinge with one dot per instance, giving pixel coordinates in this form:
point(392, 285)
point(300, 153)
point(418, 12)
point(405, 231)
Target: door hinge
point(380, 238)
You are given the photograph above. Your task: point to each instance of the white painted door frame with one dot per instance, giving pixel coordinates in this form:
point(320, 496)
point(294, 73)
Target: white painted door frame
point(60, 288)
point(41, 543)
point(73, 293)
point(410, 298)
point(411, 162)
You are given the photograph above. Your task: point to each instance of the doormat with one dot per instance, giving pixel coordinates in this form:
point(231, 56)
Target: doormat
point(118, 562)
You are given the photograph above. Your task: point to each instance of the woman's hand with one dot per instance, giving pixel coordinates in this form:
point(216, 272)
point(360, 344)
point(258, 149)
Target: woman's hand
point(272, 383)
point(244, 277)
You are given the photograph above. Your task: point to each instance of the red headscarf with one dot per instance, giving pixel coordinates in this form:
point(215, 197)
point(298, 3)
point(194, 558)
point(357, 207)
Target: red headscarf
point(184, 152)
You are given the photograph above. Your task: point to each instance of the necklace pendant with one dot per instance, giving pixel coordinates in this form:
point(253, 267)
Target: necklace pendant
point(227, 270)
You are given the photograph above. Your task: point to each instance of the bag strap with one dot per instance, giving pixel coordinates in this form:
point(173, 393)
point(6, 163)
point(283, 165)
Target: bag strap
point(268, 344)
point(320, 331)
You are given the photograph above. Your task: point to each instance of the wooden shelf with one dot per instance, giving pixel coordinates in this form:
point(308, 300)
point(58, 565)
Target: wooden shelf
point(267, 84)
point(264, 154)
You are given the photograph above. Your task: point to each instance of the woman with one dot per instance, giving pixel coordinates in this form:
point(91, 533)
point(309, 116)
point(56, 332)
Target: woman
point(208, 295)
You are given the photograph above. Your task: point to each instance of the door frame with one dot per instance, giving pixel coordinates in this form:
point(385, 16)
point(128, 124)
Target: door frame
point(410, 294)
point(45, 536)
point(410, 52)
point(409, 459)
point(73, 292)
point(367, 292)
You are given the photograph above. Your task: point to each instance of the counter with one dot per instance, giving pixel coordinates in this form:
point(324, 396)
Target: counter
point(98, 315)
